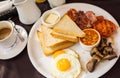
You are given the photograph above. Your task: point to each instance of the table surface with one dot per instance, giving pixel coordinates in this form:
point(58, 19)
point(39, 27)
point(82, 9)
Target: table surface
point(21, 67)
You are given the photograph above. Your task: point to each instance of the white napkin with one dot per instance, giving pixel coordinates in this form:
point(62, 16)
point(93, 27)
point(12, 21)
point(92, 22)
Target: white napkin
point(5, 5)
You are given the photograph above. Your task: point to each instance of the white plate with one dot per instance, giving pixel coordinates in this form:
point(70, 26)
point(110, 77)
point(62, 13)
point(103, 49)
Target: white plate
point(43, 63)
point(17, 48)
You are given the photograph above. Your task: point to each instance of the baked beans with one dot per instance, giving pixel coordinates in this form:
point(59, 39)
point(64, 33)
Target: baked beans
point(91, 37)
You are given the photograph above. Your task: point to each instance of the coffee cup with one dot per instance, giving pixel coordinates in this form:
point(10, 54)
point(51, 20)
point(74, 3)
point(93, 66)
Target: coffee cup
point(8, 36)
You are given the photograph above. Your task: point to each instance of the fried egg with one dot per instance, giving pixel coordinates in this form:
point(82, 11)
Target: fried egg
point(66, 51)
point(66, 64)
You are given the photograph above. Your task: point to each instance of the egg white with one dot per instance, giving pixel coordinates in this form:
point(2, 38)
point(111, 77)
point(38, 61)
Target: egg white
point(71, 52)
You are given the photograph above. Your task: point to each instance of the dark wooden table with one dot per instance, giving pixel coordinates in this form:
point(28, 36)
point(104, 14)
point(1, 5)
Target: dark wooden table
point(21, 67)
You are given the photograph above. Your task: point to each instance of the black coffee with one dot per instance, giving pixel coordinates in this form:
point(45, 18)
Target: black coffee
point(4, 32)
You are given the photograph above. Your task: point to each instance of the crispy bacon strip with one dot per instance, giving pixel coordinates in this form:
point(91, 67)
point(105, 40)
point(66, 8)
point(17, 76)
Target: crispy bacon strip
point(83, 20)
point(91, 16)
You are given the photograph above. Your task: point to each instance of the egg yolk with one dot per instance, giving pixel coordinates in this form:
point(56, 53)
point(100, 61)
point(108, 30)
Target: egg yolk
point(63, 64)
point(58, 53)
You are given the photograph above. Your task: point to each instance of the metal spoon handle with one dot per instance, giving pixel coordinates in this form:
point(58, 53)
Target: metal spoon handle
point(18, 32)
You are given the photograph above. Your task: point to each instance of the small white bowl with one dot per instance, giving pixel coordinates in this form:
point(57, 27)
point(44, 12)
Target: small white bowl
point(46, 14)
point(89, 47)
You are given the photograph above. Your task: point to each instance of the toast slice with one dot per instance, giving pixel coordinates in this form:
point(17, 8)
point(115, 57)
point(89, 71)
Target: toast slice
point(67, 26)
point(50, 41)
point(64, 36)
point(48, 50)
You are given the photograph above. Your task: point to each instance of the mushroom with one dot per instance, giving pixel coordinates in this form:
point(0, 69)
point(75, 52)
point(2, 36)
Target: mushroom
point(102, 44)
point(91, 65)
point(109, 53)
point(108, 49)
point(95, 51)
point(102, 52)
point(110, 56)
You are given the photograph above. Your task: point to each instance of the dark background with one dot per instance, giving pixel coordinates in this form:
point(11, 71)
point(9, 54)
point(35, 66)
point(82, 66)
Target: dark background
point(21, 67)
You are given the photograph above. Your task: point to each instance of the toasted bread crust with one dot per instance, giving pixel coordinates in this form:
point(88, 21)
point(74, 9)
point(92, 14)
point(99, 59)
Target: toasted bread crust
point(67, 26)
point(50, 41)
point(48, 50)
point(66, 37)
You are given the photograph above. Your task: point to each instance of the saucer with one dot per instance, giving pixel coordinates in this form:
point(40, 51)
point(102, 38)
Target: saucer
point(8, 53)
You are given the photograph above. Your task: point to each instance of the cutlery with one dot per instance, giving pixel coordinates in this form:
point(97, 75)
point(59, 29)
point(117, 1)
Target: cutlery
point(18, 32)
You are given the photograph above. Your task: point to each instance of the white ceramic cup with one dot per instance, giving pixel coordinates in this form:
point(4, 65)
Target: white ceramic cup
point(55, 3)
point(8, 41)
